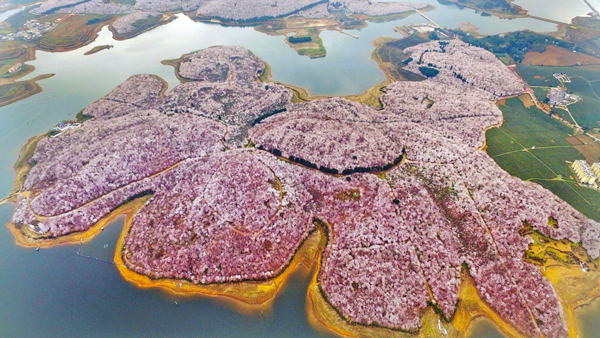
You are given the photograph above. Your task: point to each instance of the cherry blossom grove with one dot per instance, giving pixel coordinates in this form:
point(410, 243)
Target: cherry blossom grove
point(238, 176)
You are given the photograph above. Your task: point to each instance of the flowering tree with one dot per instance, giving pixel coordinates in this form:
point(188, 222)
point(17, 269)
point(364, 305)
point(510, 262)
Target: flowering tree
point(222, 210)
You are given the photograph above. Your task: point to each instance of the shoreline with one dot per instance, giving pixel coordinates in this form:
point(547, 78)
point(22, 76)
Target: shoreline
point(32, 88)
point(30, 55)
point(372, 96)
point(98, 49)
point(130, 35)
point(522, 12)
point(247, 296)
point(251, 296)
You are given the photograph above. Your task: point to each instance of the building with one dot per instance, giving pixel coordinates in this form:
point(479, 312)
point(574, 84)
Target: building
point(584, 172)
point(558, 96)
point(15, 68)
point(562, 77)
point(596, 169)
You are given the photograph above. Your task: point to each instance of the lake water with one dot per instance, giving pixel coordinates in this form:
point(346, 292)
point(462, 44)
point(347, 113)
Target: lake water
point(56, 293)
point(559, 10)
point(9, 13)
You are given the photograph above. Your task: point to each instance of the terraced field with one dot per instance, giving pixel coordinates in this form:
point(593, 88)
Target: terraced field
point(512, 147)
point(73, 32)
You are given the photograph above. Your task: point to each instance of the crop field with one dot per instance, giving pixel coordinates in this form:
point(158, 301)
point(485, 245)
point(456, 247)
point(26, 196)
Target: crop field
point(586, 146)
point(585, 83)
point(531, 74)
point(512, 147)
point(586, 112)
point(556, 56)
point(583, 199)
point(73, 32)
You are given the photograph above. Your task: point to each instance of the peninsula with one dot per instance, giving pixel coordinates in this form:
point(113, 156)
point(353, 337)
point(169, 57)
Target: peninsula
point(230, 178)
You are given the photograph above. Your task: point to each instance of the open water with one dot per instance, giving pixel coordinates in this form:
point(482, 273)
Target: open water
point(56, 293)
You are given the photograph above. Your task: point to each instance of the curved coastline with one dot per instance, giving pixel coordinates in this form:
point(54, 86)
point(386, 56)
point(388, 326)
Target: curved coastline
point(170, 16)
point(252, 296)
point(248, 296)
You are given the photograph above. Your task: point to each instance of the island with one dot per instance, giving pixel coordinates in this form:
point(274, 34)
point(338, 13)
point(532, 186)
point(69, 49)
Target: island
point(65, 25)
point(98, 49)
point(229, 183)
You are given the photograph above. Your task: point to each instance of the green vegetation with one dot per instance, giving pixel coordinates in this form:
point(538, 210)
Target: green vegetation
point(586, 112)
point(499, 6)
point(98, 49)
point(585, 82)
point(99, 19)
point(313, 52)
point(346, 22)
point(144, 25)
point(5, 66)
point(308, 43)
point(27, 153)
point(511, 146)
point(12, 90)
point(541, 93)
point(299, 39)
point(530, 72)
point(81, 117)
point(585, 32)
point(148, 22)
point(516, 44)
point(391, 55)
point(408, 41)
point(433, 36)
point(428, 71)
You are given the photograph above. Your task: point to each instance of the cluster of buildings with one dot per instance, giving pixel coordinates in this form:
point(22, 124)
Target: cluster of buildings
point(587, 174)
point(558, 96)
point(562, 77)
point(62, 127)
point(33, 29)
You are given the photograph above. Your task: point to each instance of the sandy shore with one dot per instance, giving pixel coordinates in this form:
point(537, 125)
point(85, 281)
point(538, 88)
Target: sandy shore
point(246, 296)
point(574, 287)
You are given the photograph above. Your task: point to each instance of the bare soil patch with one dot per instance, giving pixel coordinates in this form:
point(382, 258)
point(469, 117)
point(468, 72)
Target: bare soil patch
point(587, 146)
point(556, 56)
point(527, 101)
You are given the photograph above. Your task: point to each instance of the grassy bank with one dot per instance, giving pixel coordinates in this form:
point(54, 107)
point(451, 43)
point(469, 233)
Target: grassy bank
point(13, 92)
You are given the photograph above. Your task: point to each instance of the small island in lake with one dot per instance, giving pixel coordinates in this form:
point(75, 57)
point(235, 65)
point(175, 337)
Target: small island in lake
point(98, 49)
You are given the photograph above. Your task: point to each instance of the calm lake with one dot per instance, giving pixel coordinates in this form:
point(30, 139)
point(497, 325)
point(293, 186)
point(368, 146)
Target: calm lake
point(55, 293)
point(559, 10)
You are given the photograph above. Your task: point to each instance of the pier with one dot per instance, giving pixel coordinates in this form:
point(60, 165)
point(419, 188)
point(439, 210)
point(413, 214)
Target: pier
point(349, 34)
point(592, 8)
point(428, 18)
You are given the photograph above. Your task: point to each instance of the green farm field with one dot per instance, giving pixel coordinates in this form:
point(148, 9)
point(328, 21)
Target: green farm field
point(585, 83)
point(531, 145)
